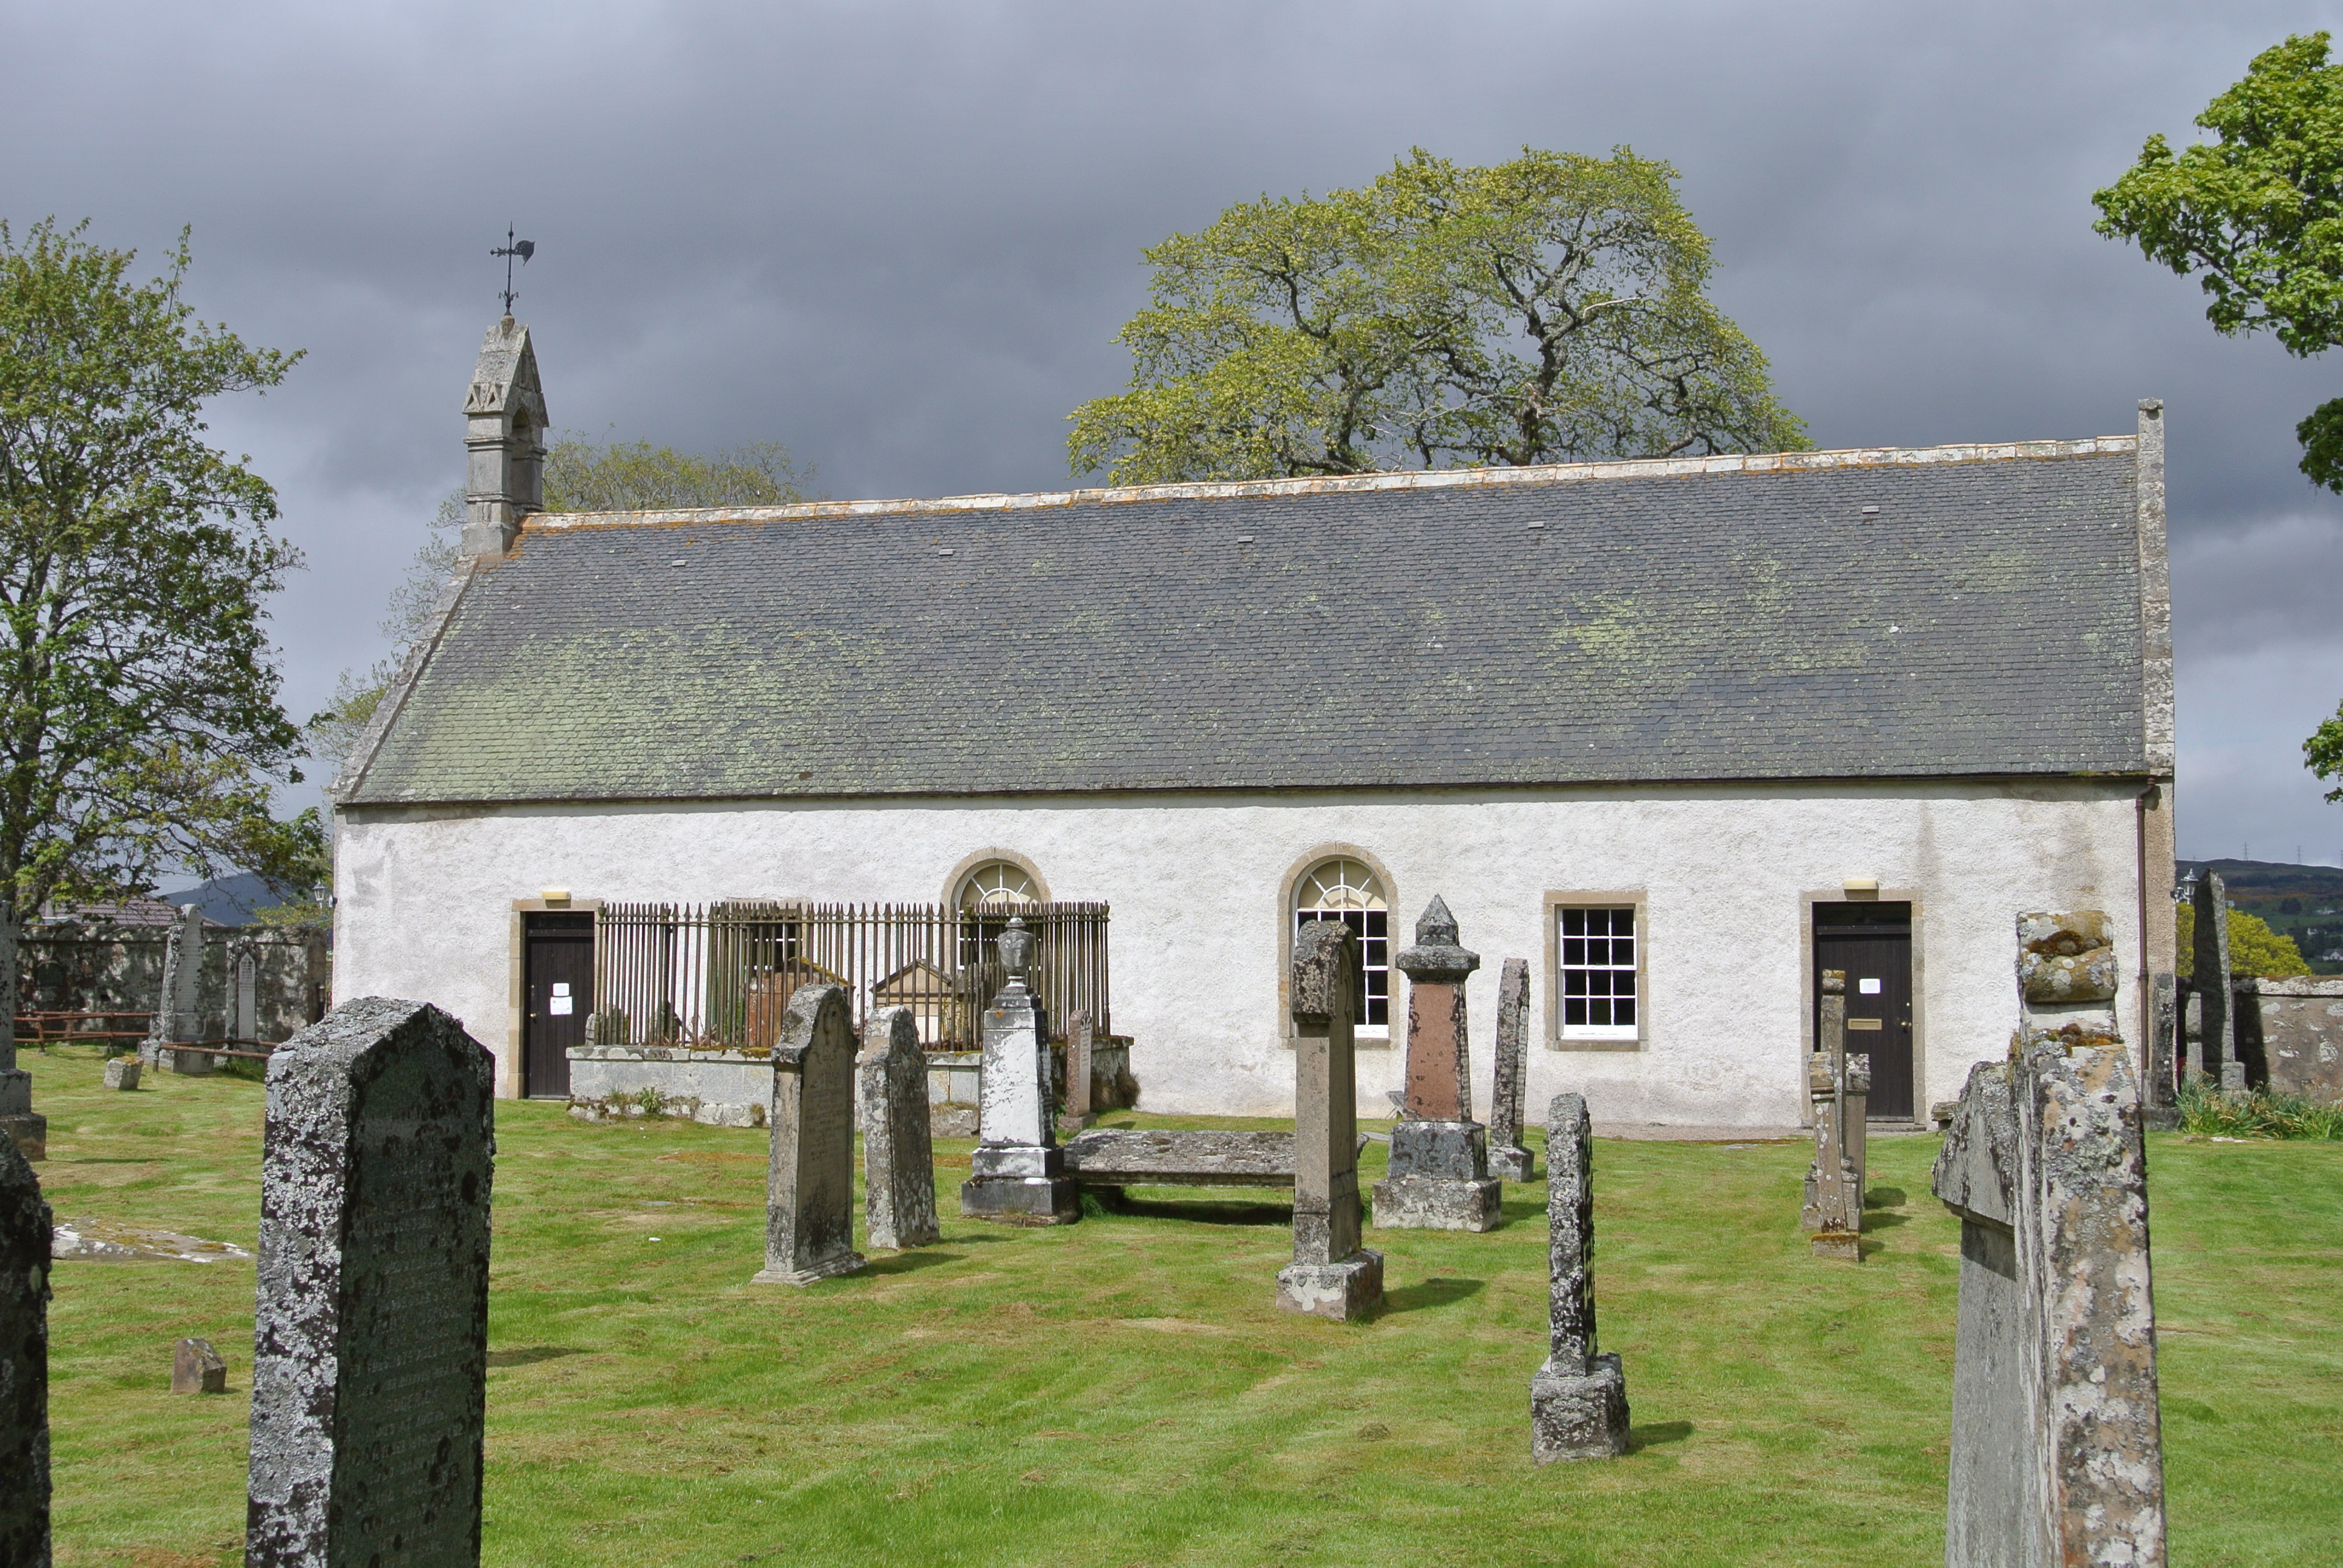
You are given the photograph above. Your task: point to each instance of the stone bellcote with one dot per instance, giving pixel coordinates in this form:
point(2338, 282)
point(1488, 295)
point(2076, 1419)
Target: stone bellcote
point(504, 434)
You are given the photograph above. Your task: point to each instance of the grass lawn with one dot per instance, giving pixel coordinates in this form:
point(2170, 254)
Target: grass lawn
point(1122, 1393)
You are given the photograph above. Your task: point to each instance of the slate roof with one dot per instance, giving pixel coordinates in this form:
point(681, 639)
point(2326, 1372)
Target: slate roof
point(1723, 618)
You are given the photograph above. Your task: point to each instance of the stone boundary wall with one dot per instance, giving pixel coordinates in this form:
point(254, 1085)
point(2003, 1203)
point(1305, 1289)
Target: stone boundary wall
point(2290, 1032)
point(66, 966)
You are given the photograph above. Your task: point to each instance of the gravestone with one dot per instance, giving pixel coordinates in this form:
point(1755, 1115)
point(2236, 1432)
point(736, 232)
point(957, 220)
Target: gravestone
point(1078, 1113)
point(2159, 1100)
point(369, 1366)
point(1439, 1170)
point(122, 1072)
point(2213, 987)
point(1578, 1399)
point(1017, 1172)
point(20, 1124)
point(198, 1368)
point(24, 1243)
point(898, 1170)
point(1332, 1276)
point(2056, 1456)
point(1833, 1210)
point(178, 1010)
point(810, 1186)
point(1510, 1159)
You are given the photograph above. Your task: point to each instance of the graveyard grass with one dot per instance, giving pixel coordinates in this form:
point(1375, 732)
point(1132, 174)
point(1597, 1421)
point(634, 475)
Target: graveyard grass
point(1122, 1393)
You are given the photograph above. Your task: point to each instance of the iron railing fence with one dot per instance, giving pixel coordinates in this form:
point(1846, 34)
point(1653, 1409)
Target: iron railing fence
point(720, 976)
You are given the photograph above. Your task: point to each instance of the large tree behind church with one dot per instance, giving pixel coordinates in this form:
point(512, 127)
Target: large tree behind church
point(1549, 308)
point(140, 731)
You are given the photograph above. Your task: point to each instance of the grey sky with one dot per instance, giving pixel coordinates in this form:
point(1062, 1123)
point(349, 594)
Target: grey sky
point(899, 238)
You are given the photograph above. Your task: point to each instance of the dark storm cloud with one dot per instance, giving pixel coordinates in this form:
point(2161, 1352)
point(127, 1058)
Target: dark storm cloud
point(900, 238)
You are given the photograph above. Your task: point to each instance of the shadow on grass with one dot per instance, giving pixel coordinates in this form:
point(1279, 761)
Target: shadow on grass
point(1881, 1220)
point(1209, 1212)
point(1884, 1198)
point(529, 1355)
point(1432, 1293)
point(905, 1262)
point(1657, 1433)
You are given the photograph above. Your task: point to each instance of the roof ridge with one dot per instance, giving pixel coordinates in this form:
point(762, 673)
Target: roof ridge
point(1347, 484)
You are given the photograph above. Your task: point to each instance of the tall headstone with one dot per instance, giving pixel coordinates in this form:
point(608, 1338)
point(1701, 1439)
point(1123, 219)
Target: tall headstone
point(899, 1169)
point(2214, 986)
point(809, 1187)
point(179, 1009)
point(1017, 1173)
point(1578, 1399)
point(20, 1124)
point(2057, 1451)
point(1439, 1172)
point(1833, 1210)
point(1509, 1157)
point(2159, 1094)
point(369, 1366)
point(25, 1242)
point(1078, 1113)
point(1332, 1276)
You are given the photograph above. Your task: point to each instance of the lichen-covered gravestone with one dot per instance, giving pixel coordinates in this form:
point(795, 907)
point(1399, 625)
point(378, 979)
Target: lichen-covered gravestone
point(898, 1170)
point(1332, 1276)
point(810, 1186)
point(198, 1368)
point(1510, 1159)
point(25, 1240)
point(1833, 1210)
point(369, 1367)
point(1578, 1400)
point(20, 1124)
point(2056, 1452)
point(1438, 1177)
point(1017, 1175)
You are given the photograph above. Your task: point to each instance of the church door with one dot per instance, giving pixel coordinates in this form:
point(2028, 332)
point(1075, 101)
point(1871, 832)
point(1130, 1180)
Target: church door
point(1871, 942)
point(557, 997)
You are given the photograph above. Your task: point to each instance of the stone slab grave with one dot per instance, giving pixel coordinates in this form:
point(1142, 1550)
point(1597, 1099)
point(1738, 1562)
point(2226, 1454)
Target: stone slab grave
point(23, 1363)
point(1839, 1087)
point(1438, 1177)
point(2057, 1453)
point(369, 1368)
point(1578, 1399)
point(1017, 1173)
point(1330, 1276)
point(198, 1368)
point(810, 1182)
point(898, 1170)
point(1510, 1159)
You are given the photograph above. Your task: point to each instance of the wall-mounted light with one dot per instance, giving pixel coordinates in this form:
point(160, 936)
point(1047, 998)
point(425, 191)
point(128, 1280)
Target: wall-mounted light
point(1861, 886)
point(554, 895)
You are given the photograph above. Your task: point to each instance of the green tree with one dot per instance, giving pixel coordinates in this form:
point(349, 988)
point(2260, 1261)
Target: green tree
point(580, 475)
point(140, 730)
point(1548, 308)
point(2254, 947)
point(2258, 211)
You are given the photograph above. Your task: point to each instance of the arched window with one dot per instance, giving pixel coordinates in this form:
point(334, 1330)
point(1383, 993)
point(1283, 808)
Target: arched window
point(1344, 890)
point(997, 884)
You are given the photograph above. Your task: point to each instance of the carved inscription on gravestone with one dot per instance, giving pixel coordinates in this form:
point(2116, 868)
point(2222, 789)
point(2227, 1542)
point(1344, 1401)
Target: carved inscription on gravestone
point(898, 1173)
point(370, 1339)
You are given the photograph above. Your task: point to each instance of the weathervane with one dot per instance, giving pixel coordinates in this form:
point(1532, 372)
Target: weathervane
point(523, 248)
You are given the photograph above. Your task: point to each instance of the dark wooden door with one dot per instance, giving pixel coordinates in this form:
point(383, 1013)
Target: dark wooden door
point(1871, 943)
point(557, 998)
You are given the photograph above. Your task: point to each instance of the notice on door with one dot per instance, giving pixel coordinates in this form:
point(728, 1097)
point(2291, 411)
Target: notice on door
point(1866, 988)
point(562, 1003)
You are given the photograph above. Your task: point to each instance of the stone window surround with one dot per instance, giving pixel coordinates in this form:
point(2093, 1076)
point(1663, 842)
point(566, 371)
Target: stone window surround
point(1554, 903)
point(983, 857)
point(1808, 1043)
point(1366, 1037)
point(511, 1061)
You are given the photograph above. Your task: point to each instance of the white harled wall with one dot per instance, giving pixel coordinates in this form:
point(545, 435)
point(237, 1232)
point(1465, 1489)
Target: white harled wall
point(424, 900)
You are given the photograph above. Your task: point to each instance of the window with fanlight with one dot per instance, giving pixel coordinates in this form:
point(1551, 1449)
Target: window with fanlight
point(1344, 890)
point(997, 885)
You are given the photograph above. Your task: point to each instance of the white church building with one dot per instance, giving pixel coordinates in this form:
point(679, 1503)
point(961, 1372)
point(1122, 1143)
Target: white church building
point(1681, 733)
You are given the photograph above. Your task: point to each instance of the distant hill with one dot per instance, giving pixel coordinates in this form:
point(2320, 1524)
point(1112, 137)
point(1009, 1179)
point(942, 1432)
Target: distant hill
point(230, 900)
point(2305, 902)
